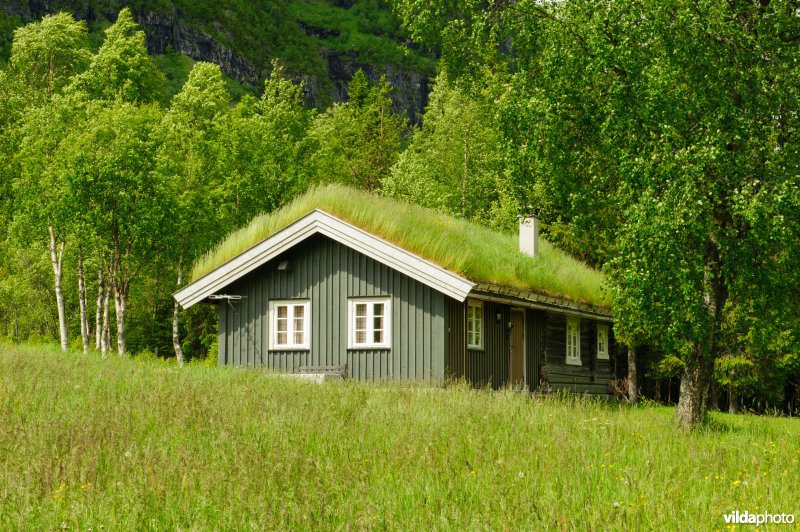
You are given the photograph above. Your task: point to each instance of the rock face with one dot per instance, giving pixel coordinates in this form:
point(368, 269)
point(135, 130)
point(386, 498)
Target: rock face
point(410, 88)
point(164, 32)
point(169, 31)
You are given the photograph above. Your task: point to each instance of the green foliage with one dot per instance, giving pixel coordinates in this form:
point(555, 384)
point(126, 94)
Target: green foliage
point(122, 68)
point(460, 246)
point(263, 151)
point(368, 28)
point(47, 53)
point(216, 448)
point(453, 162)
point(358, 141)
point(657, 138)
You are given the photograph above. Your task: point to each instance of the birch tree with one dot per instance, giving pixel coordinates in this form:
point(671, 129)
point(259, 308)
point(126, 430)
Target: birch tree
point(453, 162)
point(358, 141)
point(189, 131)
point(263, 152)
point(44, 56)
point(110, 170)
point(676, 121)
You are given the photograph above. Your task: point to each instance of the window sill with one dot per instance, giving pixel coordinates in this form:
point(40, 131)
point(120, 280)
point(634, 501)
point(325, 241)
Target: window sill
point(369, 347)
point(287, 348)
point(602, 358)
point(475, 347)
point(573, 362)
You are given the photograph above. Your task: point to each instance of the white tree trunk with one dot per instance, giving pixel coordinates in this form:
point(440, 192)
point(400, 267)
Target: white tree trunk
point(56, 258)
point(176, 339)
point(633, 379)
point(105, 342)
point(82, 299)
point(98, 317)
point(120, 306)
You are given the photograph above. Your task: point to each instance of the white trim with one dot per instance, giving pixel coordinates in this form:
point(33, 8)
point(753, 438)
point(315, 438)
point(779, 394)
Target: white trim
point(370, 324)
point(474, 303)
point(320, 222)
point(290, 304)
point(576, 323)
point(602, 328)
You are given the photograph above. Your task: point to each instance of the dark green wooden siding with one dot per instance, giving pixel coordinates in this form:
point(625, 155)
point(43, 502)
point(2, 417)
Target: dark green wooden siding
point(328, 273)
point(592, 375)
point(490, 365)
point(534, 336)
point(455, 312)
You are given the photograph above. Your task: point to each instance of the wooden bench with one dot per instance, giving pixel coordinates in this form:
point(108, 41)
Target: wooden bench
point(340, 371)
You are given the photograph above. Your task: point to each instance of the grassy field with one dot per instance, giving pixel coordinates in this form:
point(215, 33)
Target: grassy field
point(466, 248)
point(130, 444)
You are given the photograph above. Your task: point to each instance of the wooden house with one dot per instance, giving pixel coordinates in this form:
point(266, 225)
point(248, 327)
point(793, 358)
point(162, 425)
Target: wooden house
point(323, 290)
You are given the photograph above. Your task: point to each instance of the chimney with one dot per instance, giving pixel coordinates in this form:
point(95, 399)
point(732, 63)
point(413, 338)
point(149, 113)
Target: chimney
point(529, 235)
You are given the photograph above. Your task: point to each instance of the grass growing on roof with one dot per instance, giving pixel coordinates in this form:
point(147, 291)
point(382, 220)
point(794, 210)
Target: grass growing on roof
point(463, 247)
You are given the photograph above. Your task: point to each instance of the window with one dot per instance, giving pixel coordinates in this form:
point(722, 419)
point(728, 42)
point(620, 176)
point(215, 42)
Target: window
point(290, 325)
point(573, 341)
point(602, 342)
point(370, 321)
point(475, 324)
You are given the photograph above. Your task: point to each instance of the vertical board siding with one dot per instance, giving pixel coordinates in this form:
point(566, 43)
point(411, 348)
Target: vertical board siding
point(456, 329)
point(490, 365)
point(328, 273)
point(592, 375)
point(535, 322)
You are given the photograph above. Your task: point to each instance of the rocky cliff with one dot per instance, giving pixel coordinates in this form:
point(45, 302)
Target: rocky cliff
point(315, 52)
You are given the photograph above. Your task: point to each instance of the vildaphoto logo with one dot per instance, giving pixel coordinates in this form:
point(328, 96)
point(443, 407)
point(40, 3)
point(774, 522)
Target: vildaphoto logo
point(746, 518)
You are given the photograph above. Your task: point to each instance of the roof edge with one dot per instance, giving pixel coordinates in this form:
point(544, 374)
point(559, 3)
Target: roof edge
point(320, 222)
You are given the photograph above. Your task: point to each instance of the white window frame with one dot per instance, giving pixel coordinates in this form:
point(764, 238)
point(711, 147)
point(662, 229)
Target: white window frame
point(290, 330)
point(573, 356)
point(602, 332)
point(387, 322)
point(471, 343)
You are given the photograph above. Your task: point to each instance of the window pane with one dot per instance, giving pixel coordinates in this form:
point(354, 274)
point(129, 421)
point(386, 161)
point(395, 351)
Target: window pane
point(361, 309)
point(283, 311)
point(377, 337)
point(377, 309)
point(361, 337)
point(299, 311)
point(281, 340)
point(299, 336)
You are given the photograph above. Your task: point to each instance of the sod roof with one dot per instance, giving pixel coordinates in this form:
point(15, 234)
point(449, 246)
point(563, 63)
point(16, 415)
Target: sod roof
point(465, 248)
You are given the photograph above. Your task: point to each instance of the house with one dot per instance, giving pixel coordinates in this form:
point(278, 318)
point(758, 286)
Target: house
point(398, 292)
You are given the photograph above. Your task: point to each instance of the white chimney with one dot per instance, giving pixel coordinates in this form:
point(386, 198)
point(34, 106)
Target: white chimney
point(529, 235)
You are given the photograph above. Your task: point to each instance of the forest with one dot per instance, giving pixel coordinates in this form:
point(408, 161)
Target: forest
point(657, 141)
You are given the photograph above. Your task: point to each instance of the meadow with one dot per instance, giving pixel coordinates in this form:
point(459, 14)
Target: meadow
point(132, 443)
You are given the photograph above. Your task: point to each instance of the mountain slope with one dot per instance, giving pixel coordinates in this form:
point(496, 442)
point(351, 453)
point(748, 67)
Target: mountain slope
point(321, 42)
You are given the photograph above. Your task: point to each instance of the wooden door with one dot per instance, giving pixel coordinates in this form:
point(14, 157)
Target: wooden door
point(517, 347)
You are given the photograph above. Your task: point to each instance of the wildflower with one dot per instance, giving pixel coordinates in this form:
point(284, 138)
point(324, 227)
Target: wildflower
point(616, 504)
point(521, 474)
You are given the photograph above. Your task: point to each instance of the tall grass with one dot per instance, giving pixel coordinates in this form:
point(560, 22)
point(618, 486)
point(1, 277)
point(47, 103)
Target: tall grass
point(130, 445)
point(463, 247)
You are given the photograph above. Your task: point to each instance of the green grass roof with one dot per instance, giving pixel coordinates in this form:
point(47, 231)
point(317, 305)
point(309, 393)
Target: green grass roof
point(465, 248)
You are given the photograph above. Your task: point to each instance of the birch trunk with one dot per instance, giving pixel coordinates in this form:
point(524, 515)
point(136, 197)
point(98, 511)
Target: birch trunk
point(633, 378)
point(120, 306)
point(98, 317)
point(106, 334)
point(176, 340)
point(82, 299)
point(733, 401)
point(696, 378)
point(56, 258)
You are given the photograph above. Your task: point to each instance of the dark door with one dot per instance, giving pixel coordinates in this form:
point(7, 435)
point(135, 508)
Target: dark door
point(517, 346)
